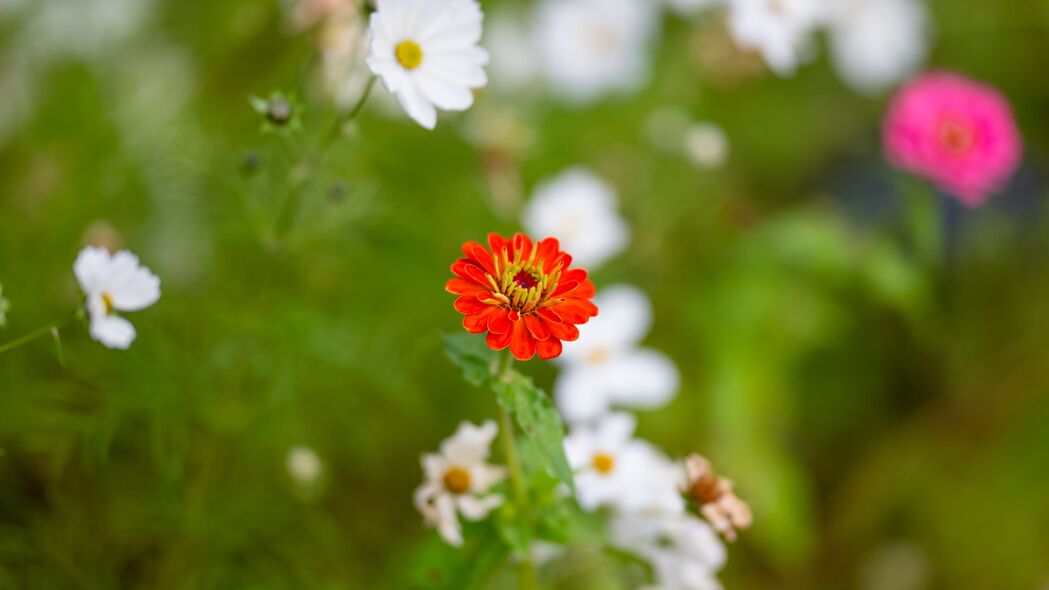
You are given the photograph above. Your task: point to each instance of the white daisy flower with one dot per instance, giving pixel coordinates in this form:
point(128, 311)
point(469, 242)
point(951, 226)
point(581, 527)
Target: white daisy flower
point(780, 29)
point(617, 470)
point(113, 283)
point(458, 479)
point(876, 43)
point(684, 552)
point(593, 47)
point(605, 367)
point(579, 209)
point(426, 53)
point(303, 465)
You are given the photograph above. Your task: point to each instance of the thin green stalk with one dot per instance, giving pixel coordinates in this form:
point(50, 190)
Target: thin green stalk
point(51, 328)
point(336, 129)
point(527, 577)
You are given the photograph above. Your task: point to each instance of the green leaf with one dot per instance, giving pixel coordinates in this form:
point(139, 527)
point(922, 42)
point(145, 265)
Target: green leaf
point(470, 353)
point(539, 421)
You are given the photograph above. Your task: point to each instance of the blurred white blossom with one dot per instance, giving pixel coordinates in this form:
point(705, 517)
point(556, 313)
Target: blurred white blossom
point(4, 307)
point(511, 43)
point(113, 283)
point(589, 48)
point(617, 470)
point(457, 481)
point(706, 144)
point(684, 552)
point(606, 367)
point(781, 30)
point(876, 43)
point(579, 209)
point(303, 465)
point(426, 53)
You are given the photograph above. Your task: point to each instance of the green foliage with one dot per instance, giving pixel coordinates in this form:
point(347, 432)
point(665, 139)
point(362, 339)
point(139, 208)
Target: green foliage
point(539, 421)
point(469, 352)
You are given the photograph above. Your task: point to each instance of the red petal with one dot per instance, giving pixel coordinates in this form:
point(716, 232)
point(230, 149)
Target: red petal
point(521, 343)
point(469, 270)
point(498, 244)
point(586, 290)
point(576, 311)
point(574, 274)
point(537, 327)
point(478, 322)
point(548, 349)
point(548, 249)
point(522, 244)
point(459, 286)
point(498, 341)
point(468, 304)
point(500, 322)
point(550, 316)
point(564, 331)
point(564, 287)
point(478, 254)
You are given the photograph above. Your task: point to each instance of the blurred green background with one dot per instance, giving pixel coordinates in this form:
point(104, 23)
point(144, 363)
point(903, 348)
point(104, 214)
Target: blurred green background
point(885, 412)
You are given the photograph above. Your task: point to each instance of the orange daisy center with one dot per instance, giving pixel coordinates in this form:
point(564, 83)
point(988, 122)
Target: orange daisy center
point(457, 480)
point(957, 138)
point(603, 463)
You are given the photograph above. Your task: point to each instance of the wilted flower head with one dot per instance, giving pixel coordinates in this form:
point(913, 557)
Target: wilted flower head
point(458, 481)
point(617, 470)
point(579, 209)
point(526, 296)
point(684, 553)
point(717, 502)
point(593, 47)
point(426, 53)
point(113, 283)
point(607, 367)
point(956, 132)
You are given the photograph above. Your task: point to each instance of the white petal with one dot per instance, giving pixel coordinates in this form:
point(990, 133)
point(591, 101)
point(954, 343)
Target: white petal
point(415, 104)
point(642, 378)
point(91, 268)
point(581, 393)
point(112, 331)
point(131, 287)
point(444, 94)
point(475, 508)
point(470, 443)
point(447, 520)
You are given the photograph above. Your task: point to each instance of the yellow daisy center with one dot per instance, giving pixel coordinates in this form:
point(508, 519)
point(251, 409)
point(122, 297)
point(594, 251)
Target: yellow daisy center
point(457, 480)
point(409, 54)
point(107, 301)
point(603, 463)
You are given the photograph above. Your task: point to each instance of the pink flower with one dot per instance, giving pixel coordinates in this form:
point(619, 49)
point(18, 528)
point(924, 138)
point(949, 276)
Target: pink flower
point(958, 133)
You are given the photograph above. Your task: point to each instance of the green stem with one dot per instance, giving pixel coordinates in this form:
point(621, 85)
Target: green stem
point(51, 328)
point(527, 577)
point(336, 129)
point(923, 218)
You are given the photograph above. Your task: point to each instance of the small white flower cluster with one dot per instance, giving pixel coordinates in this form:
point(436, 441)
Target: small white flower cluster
point(607, 368)
point(873, 43)
point(458, 481)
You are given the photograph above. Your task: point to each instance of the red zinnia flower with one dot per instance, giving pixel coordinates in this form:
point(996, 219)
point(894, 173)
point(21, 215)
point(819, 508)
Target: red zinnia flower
point(524, 295)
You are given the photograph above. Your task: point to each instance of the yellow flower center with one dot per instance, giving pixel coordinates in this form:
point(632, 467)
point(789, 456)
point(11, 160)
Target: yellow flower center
point(603, 463)
point(598, 355)
point(107, 301)
point(457, 480)
point(409, 54)
point(522, 285)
